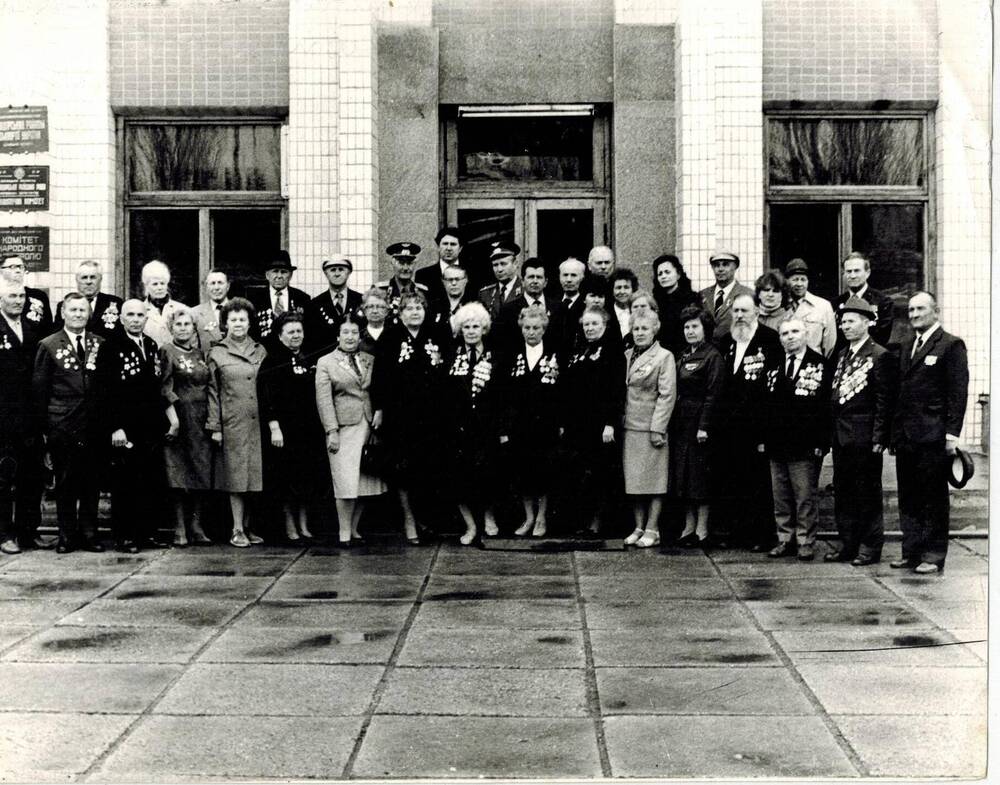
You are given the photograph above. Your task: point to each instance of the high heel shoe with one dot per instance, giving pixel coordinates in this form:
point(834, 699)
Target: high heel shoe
point(688, 541)
point(540, 528)
point(648, 540)
point(633, 538)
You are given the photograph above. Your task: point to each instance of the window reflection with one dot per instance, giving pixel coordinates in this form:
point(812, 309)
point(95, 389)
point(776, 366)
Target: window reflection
point(525, 148)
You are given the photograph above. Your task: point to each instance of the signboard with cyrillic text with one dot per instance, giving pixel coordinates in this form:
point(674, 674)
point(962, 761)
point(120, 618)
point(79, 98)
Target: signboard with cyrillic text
point(24, 188)
point(31, 243)
point(24, 129)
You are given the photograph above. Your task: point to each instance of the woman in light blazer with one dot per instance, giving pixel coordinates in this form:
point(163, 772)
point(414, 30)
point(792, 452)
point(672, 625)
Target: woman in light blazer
point(651, 385)
point(342, 380)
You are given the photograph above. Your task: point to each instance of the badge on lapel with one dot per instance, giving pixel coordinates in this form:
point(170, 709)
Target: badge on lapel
point(930, 359)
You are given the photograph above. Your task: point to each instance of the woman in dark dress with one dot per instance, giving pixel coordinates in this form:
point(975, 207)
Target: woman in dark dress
point(700, 374)
point(529, 418)
point(406, 391)
point(593, 400)
point(472, 387)
point(673, 293)
point(295, 456)
point(375, 307)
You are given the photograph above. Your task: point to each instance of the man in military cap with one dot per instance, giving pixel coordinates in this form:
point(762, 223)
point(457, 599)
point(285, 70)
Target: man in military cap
point(327, 311)
point(278, 298)
point(860, 405)
point(815, 312)
point(718, 299)
point(507, 270)
point(404, 259)
point(449, 245)
point(857, 269)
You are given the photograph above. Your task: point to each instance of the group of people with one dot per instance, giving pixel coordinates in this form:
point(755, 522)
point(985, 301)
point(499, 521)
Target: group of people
point(560, 392)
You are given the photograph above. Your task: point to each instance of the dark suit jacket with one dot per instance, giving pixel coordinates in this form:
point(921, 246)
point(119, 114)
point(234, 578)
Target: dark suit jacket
point(66, 391)
point(261, 328)
point(323, 321)
point(933, 390)
point(797, 409)
point(507, 333)
point(18, 418)
point(37, 310)
point(104, 318)
point(881, 330)
point(740, 415)
point(565, 332)
point(131, 391)
point(724, 319)
point(431, 278)
point(861, 396)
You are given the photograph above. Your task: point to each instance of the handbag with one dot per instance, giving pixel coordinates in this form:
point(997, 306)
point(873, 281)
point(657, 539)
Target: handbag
point(373, 456)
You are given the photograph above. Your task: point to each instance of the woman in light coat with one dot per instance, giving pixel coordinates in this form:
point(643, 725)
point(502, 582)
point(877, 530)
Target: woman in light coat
point(159, 304)
point(342, 380)
point(651, 380)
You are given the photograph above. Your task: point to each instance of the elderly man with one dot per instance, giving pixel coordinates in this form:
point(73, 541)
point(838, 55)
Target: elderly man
point(507, 270)
point(276, 299)
point(857, 269)
point(104, 308)
point(601, 262)
point(449, 247)
point(533, 277)
point(208, 315)
point(815, 312)
point(718, 299)
point(20, 435)
point(66, 385)
point(860, 406)
point(327, 311)
point(743, 509)
point(135, 424)
point(930, 409)
point(572, 303)
point(404, 258)
point(36, 309)
point(796, 438)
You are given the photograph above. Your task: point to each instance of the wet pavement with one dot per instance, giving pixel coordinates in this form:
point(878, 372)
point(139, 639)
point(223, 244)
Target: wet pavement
point(449, 662)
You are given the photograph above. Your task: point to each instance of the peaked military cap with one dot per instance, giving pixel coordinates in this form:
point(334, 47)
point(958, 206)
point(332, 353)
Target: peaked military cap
point(504, 249)
point(403, 250)
point(796, 267)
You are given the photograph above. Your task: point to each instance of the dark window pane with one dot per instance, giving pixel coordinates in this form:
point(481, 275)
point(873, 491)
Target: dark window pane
point(242, 240)
point(172, 237)
point(525, 148)
point(204, 157)
point(563, 233)
point(480, 228)
point(846, 152)
point(810, 232)
point(892, 236)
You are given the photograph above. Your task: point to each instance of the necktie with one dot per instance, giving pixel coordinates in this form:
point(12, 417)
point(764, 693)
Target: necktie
point(338, 301)
point(142, 350)
point(917, 345)
point(354, 363)
point(279, 303)
point(567, 299)
point(719, 300)
point(80, 351)
point(790, 370)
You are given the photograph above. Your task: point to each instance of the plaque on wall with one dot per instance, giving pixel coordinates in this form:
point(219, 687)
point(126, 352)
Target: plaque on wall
point(24, 188)
point(31, 243)
point(24, 129)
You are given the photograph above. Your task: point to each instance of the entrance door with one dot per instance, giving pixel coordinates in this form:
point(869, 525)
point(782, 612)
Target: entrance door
point(241, 242)
point(484, 222)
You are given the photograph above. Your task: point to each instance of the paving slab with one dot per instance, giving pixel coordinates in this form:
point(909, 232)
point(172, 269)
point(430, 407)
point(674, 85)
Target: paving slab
point(911, 646)
point(493, 647)
point(345, 587)
point(111, 644)
point(113, 689)
point(521, 614)
point(700, 691)
point(954, 588)
point(738, 748)
point(142, 587)
point(886, 689)
point(647, 562)
point(326, 615)
point(499, 587)
point(974, 640)
point(790, 568)
point(918, 747)
point(165, 749)
point(299, 690)
point(302, 644)
point(814, 588)
point(847, 613)
point(489, 693)
point(217, 564)
point(621, 589)
point(954, 615)
point(34, 612)
point(473, 747)
point(12, 633)
point(37, 747)
point(155, 613)
point(665, 646)
point(70, 586)
point(452, 562)
point(109, 562)
point(373, 564)
point(666, 614)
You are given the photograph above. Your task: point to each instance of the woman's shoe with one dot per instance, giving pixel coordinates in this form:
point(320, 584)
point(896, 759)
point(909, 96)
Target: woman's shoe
point(254, 539)
point(239, 540)
point(523, 529)
point(468, 538)
point(540, 528)
point(490, 528)
point(343, 543)
point(688, 541)
point(200, 539)
point(648, 539)
point(634, 537)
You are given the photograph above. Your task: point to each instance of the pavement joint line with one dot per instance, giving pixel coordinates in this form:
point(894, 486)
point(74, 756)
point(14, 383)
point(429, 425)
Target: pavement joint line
point(383, 683)
point(183, 671)
point(590, 677)
point(824, 716)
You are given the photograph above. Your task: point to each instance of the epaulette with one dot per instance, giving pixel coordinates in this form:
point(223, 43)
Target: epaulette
point(421, 286)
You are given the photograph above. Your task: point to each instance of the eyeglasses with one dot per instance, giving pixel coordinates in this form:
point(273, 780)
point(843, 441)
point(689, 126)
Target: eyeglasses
point(13, 266)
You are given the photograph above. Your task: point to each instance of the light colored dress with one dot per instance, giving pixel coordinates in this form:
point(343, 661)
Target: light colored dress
point(651, 379)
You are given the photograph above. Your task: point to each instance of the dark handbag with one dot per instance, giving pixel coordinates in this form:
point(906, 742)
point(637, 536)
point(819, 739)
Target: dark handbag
point(373, 456)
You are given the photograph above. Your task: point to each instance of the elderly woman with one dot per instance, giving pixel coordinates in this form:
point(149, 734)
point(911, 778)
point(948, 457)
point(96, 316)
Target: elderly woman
point(343, 378)
point(472, 399)
point(187, 452)
point(700, 375)
point(774, 299)
point(159, 305)
point(406, 394)
point(529, 419)
point(294, 459)
point(375, 307)
point(234, 416)
point(593, 397)
point(649, 402)
point(673, 293)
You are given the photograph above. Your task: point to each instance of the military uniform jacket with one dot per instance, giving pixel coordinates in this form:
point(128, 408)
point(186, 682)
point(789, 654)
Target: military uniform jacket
point(133, 399)
point(492, 296)
point(724, 318)
point(65, 388)
point(37, 310)
point(323, 320)
point(393, 291)
point(104, 316)
point(933, 387)
point(18, 418)
point(740, 410)
point(262, 325)
point(881, 329)
point(861, 396)
point(796, 408)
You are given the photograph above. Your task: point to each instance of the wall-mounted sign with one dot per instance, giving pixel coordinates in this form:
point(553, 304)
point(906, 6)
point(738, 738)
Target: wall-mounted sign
point(24, 129)
point(31, 243)
point(24, 188)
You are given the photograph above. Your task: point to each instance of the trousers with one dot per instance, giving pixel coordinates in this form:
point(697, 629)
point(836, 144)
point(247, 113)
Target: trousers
point(857, 500)
point(924, 504)
point(796, 512)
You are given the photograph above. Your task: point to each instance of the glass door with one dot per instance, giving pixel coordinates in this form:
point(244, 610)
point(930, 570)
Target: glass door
point(810, 232)
point(171, 236)
point(484, 222)
point(559, 228)
point(241, 241)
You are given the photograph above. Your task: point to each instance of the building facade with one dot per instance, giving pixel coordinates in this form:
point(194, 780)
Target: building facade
point(210, 132)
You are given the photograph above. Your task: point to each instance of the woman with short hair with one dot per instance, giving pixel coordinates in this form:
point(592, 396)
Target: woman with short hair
point(375, 307)
point(673, 292)
point(159, 304)
point(774, 299)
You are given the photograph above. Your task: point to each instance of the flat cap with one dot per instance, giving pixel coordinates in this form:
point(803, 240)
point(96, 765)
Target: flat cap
point(855, 304)
point(338, 260)
point(724, 256)
point(504, 249)
point(403, 250)
point(796, 267)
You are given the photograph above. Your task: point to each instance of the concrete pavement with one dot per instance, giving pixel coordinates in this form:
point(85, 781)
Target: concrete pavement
point(449, 662)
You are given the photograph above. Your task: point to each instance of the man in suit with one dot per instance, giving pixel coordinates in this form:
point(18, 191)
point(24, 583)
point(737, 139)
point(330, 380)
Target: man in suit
point(455, 280)
point(404, 258)
point(534, 281)
point(718, 299)
point(449, 246)
point(279, 297)
point(815, 312)
point(857, 269)
point(930, 409)
point(105, 309)
point(796, 438)
point(20, 435)
point(571, 275)
point(743, 509)
point(207, 316)
point(860, 401)
point(327, 311)
point(36, 308)
point(134, 426)
point(66, 385)
point(506, 268)
point(601, 262)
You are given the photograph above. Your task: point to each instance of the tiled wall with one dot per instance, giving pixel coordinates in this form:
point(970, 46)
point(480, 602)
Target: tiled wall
point(645, 12)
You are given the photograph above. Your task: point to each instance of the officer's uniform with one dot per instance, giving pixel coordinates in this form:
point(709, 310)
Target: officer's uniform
point(394, 289)
point(497, 295)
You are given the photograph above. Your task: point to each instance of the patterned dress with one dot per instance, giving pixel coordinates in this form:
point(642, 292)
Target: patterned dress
point(184, 384)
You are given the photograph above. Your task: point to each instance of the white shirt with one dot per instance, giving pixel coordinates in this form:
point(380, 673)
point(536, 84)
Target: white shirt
point(284, 298)
point(137, 340)
point(798, 362)
point(533, 354)
point(624, 317)
point(375, 332)
point(531, 299)
point(922, 338)
point(572, 299)
point(741, 348)
point(853, 348)
point(725, 291)
point(861, 292)
point(506, 288)
point(15, 325)
point(72, 338)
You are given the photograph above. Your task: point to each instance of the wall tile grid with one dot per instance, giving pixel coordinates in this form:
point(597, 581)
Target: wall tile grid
point(963, 189)
point(66, 69)
point(411, 12)
point(524, 13)
point(646, 12)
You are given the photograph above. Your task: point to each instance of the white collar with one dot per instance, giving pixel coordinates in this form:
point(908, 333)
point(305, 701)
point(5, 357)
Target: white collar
point(798, 355)
point(534, 353)
point(860, 292)
point(922, 338)
point(531, 298)
point(72, 337)
point(853, 350)
point(726, 290)
point(572, 297)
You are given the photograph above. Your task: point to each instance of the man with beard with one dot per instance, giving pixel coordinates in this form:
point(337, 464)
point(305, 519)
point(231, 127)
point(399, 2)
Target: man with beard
point(743, 508)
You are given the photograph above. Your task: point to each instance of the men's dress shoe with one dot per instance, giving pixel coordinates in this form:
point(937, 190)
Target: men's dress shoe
point(10, 547)
point(902, 564)
point(93, 546)
point(64, 547)
point(864, 561)
point(44, 543)
point(781, 549)
point(806, 553)
point(926, 568)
